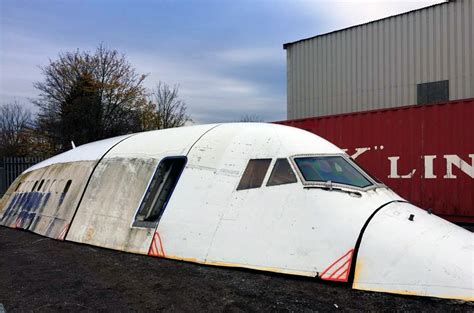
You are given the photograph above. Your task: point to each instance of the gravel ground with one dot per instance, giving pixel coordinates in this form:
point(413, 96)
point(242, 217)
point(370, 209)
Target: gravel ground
point(38, 274)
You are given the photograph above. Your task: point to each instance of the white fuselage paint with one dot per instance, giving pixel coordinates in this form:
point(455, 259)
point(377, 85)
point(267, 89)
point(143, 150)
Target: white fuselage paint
point(296, 228)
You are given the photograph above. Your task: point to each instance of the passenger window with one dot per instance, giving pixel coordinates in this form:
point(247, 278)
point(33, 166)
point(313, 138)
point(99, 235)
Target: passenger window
point(17, 186)
point(34, 186)
point(40, 185)
point(254, 174)
point(46, 185)
point(65, 190)
point(52, 188)
point(66, 187)
point(159, 191)
point(281, 174)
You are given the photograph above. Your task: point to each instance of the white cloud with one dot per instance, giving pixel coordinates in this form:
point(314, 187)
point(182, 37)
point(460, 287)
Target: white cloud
point(211, 95)
point(252, 55)
point(21, 57)
point(345, 13)
point(209, 82)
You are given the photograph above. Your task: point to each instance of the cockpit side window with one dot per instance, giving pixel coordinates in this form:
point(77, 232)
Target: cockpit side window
point(335, 169)
point(281, 174)
point(254, 174)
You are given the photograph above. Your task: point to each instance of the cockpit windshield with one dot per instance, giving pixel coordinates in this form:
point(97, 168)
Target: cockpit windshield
point(335, 169)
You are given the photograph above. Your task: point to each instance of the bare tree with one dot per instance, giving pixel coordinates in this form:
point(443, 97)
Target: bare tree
point(89, 96)
point(250, 118)
point(15, 121)
point(170, 110)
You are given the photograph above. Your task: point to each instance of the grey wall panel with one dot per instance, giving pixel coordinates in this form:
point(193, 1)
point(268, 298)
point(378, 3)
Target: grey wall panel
point(379, 64)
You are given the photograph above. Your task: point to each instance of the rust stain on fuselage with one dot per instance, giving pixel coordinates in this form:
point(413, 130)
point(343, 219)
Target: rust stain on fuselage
point(238, 265)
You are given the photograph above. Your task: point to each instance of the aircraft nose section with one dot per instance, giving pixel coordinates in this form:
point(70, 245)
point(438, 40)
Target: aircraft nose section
point(406, 250)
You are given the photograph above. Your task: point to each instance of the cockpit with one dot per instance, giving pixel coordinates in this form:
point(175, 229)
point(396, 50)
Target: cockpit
point(325, 171)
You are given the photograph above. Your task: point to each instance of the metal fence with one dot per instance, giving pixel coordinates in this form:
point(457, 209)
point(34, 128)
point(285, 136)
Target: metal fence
point(12, 167)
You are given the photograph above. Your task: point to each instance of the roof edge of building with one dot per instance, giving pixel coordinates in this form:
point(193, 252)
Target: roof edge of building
point(288, 44)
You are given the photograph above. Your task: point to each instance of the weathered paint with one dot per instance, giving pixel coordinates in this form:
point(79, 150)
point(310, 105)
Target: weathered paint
point(40, 204)
point(47, 211)
point(120, 180)
point(424, 153)
point(90, 152)
point(296, 228)
point(120, 183)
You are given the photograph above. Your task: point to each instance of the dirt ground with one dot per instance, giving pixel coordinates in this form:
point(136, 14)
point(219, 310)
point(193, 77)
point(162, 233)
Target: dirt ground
point(38, 274)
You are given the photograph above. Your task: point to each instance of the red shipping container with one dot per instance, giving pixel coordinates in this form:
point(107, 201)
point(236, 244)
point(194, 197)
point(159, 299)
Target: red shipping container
point(425, 153)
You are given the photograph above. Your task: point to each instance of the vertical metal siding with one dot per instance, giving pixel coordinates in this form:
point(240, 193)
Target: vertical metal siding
point(411, 133)
point(378, 65)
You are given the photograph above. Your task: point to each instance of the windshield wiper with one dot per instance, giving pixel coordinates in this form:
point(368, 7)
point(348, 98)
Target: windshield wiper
point(328, 186)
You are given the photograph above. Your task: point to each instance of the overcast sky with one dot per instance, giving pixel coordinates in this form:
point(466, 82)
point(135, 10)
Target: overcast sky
point(227, 56)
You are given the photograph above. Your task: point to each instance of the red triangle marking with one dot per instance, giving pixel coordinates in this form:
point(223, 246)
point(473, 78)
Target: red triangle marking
point(155, 249)
point(62, 234)
point(344, 262)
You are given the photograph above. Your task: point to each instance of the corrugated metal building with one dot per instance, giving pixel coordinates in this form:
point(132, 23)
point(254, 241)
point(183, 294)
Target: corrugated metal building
point(418, 57)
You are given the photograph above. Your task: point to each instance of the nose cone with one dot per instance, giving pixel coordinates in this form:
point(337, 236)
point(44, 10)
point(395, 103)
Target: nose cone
point(406, 250)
